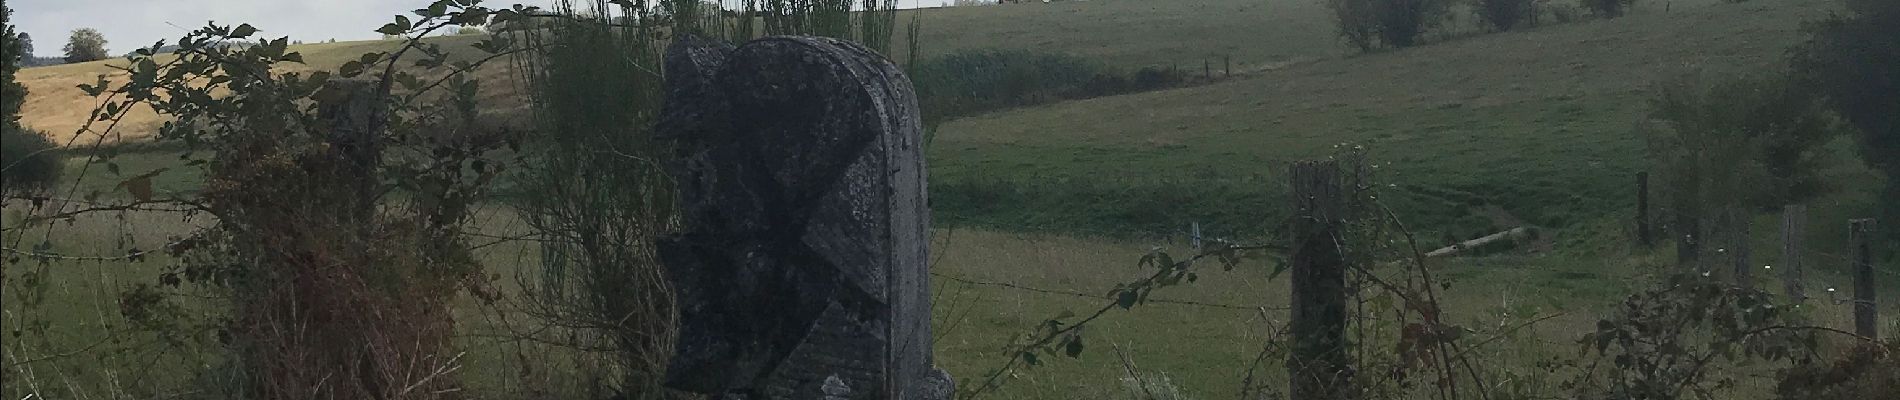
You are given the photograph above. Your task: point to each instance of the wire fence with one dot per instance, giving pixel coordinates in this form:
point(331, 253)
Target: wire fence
point(1059, 292)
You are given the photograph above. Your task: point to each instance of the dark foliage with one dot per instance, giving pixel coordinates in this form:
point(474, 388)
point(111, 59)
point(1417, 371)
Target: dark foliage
point(1775, 127)
point(27, 158)
point(1504, 15)
point(1868, 371)
point(1672, 342)
point(1369, 24)
point(1854, 60)
point(1608, 8)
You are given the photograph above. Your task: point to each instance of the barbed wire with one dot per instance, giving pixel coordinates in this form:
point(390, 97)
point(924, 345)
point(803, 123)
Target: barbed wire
point(1850, 260)
point(1100, 297)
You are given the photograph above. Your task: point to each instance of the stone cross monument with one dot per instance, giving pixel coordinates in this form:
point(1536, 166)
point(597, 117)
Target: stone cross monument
point(801, 273)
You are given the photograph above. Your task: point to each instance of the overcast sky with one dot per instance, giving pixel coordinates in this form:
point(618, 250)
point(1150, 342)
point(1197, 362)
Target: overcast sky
point(131, 24)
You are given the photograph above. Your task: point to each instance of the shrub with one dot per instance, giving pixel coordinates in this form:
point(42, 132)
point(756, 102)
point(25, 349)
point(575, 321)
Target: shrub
point(29, 159)
point(593, 188)
point(1368, 24)
point(1608, 8)
point(1666, 343)
point(1503, 15)
point(1357, 22)
point(1868, 371)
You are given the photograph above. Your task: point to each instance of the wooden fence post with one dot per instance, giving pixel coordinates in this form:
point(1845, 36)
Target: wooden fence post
point(802, 270)
point(1794, 220)
point(1644, 235)
point(1860, 234)
point(1318, 365)
point(1741, 252)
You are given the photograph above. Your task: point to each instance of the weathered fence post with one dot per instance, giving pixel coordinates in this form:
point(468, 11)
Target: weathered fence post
point(1688, 233)
point(1644, 235)
point(1318, 366)
point(1741, 242)
point(1860, 235)
point(1794, 220)
point(802, 271)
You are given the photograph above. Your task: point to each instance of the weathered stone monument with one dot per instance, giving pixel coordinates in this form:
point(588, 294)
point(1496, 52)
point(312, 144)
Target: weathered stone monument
point(801, 273)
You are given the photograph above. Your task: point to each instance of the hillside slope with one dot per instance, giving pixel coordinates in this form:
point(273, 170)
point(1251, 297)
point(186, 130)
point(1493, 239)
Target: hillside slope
point(1474, 133)
point(1123, 33)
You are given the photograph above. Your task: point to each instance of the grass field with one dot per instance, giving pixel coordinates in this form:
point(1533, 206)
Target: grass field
point(1471, 135)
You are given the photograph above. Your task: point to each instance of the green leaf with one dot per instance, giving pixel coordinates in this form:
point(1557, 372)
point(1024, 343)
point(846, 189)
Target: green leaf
point(391, 29)
point(292, 57)
point(1278, 268)
point(408, 81)
point(243, 31)
point(350, 69)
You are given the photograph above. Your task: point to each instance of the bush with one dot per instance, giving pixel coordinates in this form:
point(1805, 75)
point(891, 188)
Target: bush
point(1369, 24)
point(1503, 15)
point(29, 159)
point(1608, 8)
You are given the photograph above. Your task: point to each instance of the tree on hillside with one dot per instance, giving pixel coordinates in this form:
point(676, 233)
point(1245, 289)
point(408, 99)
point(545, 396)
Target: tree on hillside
point(26, 47)
point(86, 44)
point(1854, 60)
point(1730, 148)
